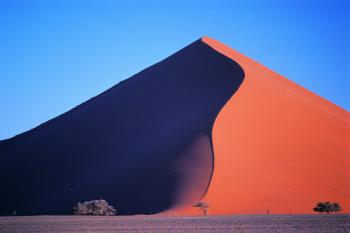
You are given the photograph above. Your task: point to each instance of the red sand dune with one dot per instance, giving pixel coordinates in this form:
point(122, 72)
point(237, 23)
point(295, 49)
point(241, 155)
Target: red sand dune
point(183, 130)
point(278, 147)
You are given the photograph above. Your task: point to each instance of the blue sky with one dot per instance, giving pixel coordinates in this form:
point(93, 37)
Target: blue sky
point(56, 54)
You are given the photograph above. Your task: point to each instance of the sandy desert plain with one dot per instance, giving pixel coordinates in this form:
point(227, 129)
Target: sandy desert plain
point(223, 224)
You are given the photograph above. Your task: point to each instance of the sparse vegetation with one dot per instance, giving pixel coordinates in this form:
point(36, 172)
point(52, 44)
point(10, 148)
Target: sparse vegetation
point(327, 207)
point(94, 207)
point(203, 206)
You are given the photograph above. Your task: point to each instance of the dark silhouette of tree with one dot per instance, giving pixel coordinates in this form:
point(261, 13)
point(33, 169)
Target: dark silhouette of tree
point(203, 206)
point(94, 207)
point(327, 207)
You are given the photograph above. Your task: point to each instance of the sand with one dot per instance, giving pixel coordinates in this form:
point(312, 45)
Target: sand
point(219, 224)
point(277, 146)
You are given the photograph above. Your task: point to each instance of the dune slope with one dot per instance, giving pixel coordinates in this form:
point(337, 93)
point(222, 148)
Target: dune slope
point(278, 147)
point(144, 145)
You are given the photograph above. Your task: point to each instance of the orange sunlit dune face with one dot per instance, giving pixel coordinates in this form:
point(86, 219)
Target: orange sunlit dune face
point(278, 148)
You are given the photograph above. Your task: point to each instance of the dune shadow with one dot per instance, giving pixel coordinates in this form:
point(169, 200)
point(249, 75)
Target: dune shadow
point(127, 145)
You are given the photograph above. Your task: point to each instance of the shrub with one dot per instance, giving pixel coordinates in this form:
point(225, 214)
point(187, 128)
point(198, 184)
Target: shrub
point(203, 206)
point(327, 207)
point(94, 207)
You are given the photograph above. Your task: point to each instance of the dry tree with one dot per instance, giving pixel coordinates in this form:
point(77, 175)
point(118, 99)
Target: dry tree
point(203, 206)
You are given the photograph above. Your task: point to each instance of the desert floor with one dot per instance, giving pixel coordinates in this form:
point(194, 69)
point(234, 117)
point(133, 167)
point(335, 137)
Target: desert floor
point(224, 224)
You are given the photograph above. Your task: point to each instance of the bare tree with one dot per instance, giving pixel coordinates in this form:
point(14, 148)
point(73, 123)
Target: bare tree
point(203, 206)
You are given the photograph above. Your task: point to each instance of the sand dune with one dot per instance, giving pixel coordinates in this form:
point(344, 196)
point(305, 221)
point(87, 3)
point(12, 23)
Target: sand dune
point(277, 146)
point(144, 145)
point(183, 130)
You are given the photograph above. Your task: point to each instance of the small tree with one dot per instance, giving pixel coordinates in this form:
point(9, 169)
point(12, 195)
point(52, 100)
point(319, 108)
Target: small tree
point(94, 207)
point(327, 207)
point(203, 206)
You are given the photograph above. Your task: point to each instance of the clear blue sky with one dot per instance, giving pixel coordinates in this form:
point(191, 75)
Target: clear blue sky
point(55, 54)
